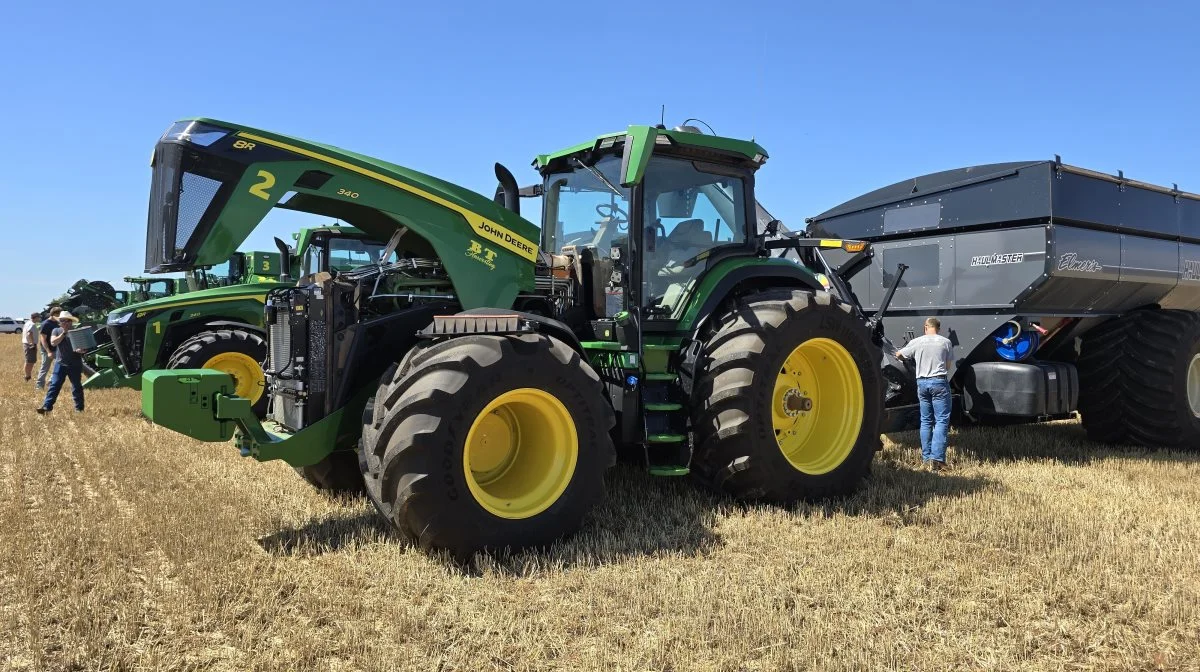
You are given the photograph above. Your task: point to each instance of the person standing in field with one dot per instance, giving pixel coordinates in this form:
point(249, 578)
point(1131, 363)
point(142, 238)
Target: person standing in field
point(48, 326)
point(69, 365)
point(932, 353)
point(29, 342)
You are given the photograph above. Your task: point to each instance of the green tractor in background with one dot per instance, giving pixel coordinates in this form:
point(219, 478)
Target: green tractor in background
point(220, 324)
point(480, 379)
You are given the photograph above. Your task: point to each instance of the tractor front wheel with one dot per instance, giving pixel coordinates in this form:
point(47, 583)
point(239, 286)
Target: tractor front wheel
point(337, 474)
point(488, 442)
point(789, 399)
point(236, 352)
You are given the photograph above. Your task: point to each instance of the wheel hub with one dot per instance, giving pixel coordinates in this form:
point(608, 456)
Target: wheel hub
point(796, 402)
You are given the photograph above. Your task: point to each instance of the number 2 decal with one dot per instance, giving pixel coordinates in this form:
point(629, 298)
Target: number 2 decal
point(260, 188)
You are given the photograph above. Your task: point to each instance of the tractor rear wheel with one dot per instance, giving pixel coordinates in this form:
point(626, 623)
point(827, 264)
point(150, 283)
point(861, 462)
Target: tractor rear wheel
point(1160, 378)
point(789, 399)
point(1100, 395)
point(338, 473)
point(488, 442)
point(237, 352)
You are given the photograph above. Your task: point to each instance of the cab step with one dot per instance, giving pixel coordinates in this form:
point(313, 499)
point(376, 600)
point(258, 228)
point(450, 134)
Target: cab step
point(666, 438)
point(664, 407)
point(669, 470)
point(663, 377)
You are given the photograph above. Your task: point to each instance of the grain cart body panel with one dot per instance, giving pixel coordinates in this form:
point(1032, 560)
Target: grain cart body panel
point(1024, 243)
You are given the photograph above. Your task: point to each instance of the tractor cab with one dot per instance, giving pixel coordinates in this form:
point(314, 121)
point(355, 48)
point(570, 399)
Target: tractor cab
point(646, 212)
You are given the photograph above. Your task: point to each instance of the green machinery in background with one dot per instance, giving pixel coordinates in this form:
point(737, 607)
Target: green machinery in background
point(481, 379)
point(219, 325)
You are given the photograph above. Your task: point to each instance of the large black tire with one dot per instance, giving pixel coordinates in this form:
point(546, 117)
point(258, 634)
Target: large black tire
point(415, 434)
point(743, 358)
point(1161, 351)
point(1101, 402)
point(337, 474)
point(198, 350)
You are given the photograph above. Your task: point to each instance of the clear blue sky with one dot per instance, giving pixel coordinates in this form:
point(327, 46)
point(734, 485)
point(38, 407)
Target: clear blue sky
point(846, 97)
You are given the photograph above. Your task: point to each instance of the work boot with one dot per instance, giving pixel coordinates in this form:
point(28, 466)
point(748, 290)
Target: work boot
point(937, 465)
point(42, 410)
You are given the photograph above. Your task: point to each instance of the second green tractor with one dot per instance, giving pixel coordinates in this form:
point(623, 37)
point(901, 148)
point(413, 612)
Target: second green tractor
point(480, 375)
point(219, 325)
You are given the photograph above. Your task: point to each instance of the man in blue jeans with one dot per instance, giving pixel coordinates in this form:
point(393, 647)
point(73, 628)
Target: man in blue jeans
point(68, 365)
point(932, 354)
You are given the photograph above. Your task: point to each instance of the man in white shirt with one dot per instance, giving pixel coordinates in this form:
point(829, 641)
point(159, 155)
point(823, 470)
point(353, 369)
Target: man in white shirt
point(29, 340)
point(932, 353)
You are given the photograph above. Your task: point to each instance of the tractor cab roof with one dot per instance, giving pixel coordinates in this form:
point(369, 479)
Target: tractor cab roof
point(637, 143)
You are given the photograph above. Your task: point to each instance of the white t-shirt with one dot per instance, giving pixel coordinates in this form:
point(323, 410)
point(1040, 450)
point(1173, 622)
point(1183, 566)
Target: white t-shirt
point(931, 353)
point(29, 333)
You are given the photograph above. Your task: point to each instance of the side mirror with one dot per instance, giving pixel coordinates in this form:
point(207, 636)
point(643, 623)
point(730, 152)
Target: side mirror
point(772, 228)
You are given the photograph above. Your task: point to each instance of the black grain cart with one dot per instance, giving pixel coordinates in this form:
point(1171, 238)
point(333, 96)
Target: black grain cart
point(1063, 290)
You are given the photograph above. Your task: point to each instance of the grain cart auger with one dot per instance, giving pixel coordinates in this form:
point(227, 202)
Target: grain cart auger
point(1063, 288)
point(480, 378)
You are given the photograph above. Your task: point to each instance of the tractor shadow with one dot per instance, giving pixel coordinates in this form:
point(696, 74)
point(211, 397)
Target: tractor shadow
point(332, 534)
point(643, 516)
point(1063, 442)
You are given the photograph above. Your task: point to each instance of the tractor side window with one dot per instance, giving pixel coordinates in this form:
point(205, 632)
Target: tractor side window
point(688, 214)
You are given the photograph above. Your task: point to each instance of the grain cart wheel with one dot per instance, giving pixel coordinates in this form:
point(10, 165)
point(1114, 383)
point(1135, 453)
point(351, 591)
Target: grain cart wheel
point(488, 441)
point(1100, 397)
point(1160, 378)
point(234, 351)
point(789, 399)
point(338, 473)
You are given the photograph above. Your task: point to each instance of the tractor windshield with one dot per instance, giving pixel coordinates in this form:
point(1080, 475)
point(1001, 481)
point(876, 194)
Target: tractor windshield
point(585, 207)
point(688, 213)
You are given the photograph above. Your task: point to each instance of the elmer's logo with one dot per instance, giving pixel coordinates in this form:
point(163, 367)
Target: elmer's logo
point(483, 255)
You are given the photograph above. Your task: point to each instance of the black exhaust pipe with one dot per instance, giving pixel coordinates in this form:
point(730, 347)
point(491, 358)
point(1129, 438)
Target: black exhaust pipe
point(507, 191)
point(285, 261)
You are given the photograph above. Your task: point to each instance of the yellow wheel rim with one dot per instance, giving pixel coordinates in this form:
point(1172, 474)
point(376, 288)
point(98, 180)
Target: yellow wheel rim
point(248, 378)
point(520, 453)
point(817, 406)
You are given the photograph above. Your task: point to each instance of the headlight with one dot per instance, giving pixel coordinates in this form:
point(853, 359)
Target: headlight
point(117, 319)
point(194, 132)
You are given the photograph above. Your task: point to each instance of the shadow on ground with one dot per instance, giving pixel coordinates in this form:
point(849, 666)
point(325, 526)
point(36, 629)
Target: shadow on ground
point(642, 516)
point(330, 534)
point(1063, 442)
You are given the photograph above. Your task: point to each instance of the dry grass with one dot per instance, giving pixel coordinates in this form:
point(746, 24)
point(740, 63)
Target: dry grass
point(126, 546)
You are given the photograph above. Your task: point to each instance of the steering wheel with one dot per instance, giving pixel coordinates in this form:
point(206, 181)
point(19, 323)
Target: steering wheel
point(614, 212)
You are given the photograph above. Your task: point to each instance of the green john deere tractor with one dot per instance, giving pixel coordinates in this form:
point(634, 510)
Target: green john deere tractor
point(220, 324)
point(481, 379)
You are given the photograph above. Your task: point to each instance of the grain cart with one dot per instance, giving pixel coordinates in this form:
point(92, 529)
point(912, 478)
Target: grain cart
point(220, 327)
point(478, 380)
point(1063, 289)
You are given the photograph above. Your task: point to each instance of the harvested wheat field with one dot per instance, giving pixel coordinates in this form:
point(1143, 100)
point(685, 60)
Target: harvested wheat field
point(130, 547)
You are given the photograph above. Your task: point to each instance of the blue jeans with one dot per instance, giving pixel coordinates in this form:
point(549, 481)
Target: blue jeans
point(934, 394)
point(62, 373)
